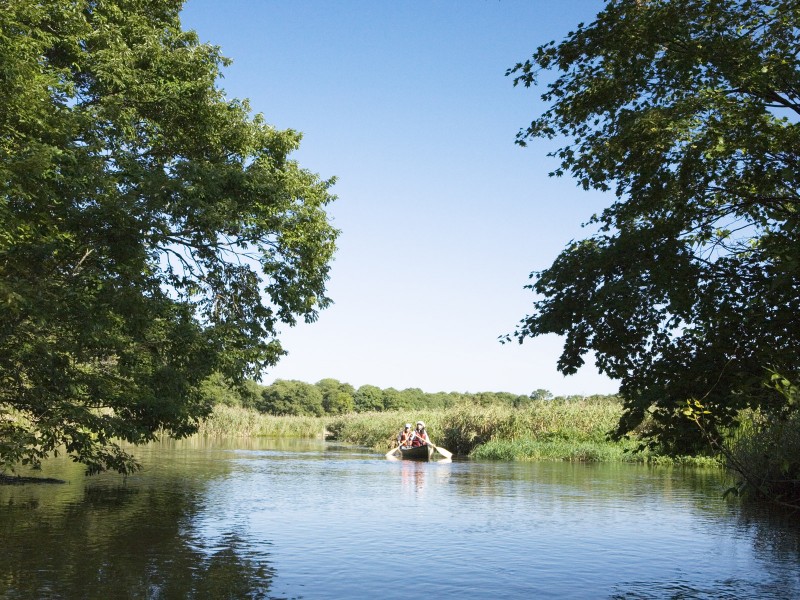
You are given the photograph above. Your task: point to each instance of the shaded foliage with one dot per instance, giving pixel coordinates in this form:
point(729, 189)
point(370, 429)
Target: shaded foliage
point(152, 231)
point(764, 451)
point(687, 111)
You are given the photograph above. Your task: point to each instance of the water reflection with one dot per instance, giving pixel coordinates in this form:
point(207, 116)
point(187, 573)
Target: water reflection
point(287, 519)
point(412, 475)
point(106, 539)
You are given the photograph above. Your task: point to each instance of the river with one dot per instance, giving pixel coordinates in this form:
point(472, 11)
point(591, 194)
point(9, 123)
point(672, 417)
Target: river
point(317, 520)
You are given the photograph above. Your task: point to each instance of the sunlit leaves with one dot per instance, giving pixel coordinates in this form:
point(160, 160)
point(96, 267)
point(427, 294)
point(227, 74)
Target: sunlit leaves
point(153, 231)
point(688, 111)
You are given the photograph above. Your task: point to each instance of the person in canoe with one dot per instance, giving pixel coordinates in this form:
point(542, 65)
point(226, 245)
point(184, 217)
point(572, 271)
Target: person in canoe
point(404, 437)
point(419, 437)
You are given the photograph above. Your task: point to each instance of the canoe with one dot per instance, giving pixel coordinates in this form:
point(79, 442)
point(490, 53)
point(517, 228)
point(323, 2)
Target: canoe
point(417, 453)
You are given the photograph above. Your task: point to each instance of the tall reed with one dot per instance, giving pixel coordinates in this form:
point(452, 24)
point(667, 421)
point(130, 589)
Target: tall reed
point(244, 422)
point(467, 426)
point(764, 452)
point(570, 429)
point(463, 427)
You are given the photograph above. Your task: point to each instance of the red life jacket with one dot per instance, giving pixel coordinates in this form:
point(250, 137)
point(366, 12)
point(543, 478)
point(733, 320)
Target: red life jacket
point(402, 437)
point(420, 438)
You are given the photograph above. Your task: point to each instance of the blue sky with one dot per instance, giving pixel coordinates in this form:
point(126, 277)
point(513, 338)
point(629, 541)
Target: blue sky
point(442, 216)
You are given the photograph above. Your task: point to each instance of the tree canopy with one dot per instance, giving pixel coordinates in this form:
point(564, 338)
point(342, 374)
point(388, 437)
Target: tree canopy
point(289, 397)
point(332, 397)
point(687, 111)
point(152, 230)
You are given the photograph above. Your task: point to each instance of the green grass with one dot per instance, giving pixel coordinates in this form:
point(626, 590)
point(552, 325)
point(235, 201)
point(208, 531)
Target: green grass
point(564, 430)
point(560, 449)
point(575, 451)
point(466, 427)
point(227, 421)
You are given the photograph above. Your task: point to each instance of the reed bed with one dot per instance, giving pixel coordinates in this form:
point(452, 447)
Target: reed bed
point(578, 421)
point(586, 451)
point(243, 422)
point(764, 452)
point(463, 428)
point(568, 430)
point(379, 429)
point(531, 449)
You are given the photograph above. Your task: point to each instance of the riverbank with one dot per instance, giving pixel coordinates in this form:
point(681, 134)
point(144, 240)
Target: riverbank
point(564, 430)
point(23, 480)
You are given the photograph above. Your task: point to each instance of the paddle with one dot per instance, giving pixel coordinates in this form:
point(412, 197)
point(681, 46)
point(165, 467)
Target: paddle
point(392, 451)
point(442, 451)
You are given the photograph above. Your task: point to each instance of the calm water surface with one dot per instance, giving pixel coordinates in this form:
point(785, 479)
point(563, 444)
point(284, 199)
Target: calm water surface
point(315, 520)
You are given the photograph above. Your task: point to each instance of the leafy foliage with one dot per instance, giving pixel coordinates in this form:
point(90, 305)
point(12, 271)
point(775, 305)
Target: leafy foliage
point(337, 397)
point(764, 451)
point(368, 398)
point(687, 111)
point(286, 397)
point(333, 397)
point(152, 231)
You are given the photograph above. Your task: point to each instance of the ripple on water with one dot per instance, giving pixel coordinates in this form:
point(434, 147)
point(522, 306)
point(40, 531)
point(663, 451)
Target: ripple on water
point(325, 521)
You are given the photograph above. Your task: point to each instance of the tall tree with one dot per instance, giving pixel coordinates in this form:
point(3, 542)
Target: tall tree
point(368, 398)
point(337, 397)
point(152, 231)
point(290, 397)
point(687, 110)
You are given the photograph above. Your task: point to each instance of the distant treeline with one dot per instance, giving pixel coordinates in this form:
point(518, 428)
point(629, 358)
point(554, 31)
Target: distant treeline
point(333, 397)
